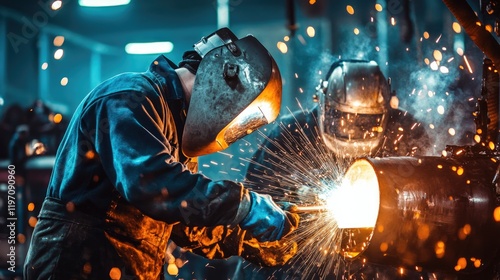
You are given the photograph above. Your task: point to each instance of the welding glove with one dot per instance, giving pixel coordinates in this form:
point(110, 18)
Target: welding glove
point(266, 221)
point(287, 206)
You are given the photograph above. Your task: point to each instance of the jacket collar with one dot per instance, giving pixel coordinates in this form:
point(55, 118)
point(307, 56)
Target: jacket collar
point(164, 71)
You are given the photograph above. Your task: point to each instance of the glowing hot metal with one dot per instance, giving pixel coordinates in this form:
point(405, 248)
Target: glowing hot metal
point(434, 212)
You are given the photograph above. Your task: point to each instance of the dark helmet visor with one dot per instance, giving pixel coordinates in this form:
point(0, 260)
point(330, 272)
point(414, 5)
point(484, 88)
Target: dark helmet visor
point(352, 126)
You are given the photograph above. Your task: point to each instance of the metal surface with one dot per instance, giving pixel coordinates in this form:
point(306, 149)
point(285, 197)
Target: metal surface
point(434, 212)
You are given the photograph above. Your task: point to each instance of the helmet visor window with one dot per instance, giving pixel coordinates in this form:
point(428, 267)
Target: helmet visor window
point(351, 126)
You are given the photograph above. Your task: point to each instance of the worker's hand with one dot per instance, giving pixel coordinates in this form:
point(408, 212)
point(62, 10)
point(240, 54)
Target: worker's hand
point(266, 221)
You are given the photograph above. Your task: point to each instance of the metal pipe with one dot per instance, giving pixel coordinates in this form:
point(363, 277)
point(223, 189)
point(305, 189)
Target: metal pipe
point(434, 212)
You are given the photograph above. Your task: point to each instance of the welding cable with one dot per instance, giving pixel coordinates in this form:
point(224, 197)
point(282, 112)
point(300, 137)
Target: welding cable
point(490, 90)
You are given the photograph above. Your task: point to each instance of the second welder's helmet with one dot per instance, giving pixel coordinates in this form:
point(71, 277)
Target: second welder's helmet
point(354, 107)
point(237, 90)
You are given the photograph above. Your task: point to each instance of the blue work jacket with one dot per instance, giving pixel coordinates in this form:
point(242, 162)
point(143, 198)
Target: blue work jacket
point(120, 182)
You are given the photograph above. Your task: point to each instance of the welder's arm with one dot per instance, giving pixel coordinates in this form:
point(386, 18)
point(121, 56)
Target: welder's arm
point(137, 157)
point(222, 242)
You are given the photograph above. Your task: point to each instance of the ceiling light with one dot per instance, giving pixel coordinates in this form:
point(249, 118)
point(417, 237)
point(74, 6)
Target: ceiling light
point(102, 3)
point(56, 5)
point(149, 48)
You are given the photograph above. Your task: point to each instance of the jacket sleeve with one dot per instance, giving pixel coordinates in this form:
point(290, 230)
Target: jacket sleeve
point(222, 242)
point(131, 137)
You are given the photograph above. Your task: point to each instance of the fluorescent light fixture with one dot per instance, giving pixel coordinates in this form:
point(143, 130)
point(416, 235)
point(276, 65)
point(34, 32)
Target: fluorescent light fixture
point(149, 48)
point(102, 3)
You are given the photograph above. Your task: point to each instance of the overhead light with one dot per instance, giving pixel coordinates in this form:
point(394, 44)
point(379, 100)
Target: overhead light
point(149, 48)
point(56, 5)
point(102, 3)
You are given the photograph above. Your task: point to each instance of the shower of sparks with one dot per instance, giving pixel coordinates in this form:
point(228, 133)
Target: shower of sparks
point(468, 65)
point(439, 38)
point(308, 175)
point(318, 235)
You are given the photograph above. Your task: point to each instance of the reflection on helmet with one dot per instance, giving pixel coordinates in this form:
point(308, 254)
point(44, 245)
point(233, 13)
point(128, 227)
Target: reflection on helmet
point(354, 104)
point(349, 126)
point(237, 90)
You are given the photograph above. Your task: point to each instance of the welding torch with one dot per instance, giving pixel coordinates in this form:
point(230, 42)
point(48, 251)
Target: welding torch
point(302, 209)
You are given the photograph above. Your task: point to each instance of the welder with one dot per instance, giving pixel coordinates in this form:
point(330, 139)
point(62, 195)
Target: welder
point(124, 171)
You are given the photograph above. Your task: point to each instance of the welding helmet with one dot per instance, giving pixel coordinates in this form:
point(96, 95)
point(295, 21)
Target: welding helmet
point(354, 107)
point(237, 90)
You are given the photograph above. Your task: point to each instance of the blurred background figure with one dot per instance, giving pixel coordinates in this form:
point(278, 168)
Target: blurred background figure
point(12, 118)
point(18, 148)
point(45, 125)
point(21, 147)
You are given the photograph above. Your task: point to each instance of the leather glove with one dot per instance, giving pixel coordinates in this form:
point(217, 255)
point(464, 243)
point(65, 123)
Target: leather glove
point(266, 221)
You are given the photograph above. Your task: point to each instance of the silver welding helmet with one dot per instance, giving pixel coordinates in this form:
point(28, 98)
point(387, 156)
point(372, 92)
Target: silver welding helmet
point(237, 90)
point(354, 103)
